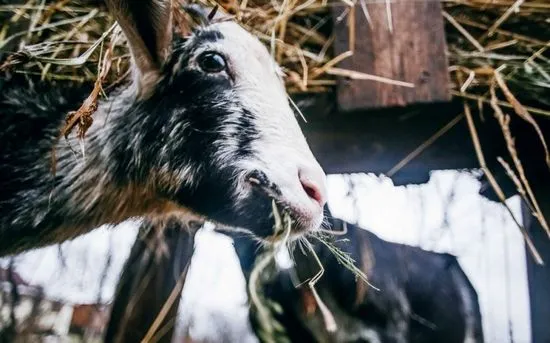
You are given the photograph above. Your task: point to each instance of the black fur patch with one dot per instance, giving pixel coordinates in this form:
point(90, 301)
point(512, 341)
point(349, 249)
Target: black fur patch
point(248, 132)
point(422, 279)
point(31, 116)
point(208, 36)
point(184, 48)
point(208, 106)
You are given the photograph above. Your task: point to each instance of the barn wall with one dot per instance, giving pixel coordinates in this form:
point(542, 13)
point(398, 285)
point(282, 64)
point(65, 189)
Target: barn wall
point(448, 215)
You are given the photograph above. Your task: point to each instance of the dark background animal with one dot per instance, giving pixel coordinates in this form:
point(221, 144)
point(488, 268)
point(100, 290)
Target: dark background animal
point(204, 115)
point(423, 297)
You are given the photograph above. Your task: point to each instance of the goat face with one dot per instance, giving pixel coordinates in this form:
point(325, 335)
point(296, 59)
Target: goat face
point(225, 132)
point(206, 128)
point(241, 133)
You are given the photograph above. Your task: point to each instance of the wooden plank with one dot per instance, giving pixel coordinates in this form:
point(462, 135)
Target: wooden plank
point(539, 276)
point(414, 50)
point(376, 140)
point(154, 272)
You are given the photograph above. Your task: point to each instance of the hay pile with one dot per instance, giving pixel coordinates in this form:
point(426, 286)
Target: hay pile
point(511, 37)
point(54, 38)
point(57, 40)
point(62, 40)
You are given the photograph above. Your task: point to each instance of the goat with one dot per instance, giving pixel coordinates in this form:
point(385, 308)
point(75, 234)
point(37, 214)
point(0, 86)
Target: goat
point(204, 129)
point(424, 297)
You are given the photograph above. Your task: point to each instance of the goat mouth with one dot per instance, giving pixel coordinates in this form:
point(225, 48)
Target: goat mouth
point(261, 182)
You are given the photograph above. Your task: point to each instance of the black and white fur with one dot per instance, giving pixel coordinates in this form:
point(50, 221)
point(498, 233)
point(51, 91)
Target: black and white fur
point(423, 296)
point(178, 139)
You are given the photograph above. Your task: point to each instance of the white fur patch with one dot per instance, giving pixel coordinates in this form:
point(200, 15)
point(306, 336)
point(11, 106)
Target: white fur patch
point(281, 151)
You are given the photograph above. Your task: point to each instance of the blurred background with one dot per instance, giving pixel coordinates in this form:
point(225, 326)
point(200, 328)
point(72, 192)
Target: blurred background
point(478, 114)
point(447, 214)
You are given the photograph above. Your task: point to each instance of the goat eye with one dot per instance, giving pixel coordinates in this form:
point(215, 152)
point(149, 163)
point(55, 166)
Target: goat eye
point(212, 62)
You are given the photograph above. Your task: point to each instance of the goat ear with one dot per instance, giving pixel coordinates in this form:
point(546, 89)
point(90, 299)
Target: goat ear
point(147, 25)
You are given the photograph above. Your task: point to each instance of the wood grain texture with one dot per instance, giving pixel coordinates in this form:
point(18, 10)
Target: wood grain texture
point(377, 140)
point(413, 51)
point(159, 258)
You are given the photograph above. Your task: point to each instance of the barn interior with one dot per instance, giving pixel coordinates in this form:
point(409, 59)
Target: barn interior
point(431, 117)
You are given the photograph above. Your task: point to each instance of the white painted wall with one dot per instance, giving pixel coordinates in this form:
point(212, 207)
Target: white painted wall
point(481, 233)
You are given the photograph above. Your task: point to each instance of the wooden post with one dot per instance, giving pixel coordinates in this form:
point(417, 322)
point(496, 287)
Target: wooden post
point(149, 291)
point(403, 41)
point(539, 276)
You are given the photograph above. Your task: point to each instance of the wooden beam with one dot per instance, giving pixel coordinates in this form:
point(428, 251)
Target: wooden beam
point(377, 140)
point(403, 41)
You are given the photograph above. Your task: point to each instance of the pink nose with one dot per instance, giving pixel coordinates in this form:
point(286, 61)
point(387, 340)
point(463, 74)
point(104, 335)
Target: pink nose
point(314, 186)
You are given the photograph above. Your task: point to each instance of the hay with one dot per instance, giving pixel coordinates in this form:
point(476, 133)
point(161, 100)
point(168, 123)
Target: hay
point(57, 40)
point(60, 40)
point(265, 271)
point(486, 38)
point(53, 38)
point(499, 55)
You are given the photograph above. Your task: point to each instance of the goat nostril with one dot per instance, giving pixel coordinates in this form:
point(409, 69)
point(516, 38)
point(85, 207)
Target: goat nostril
point(313, 191)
